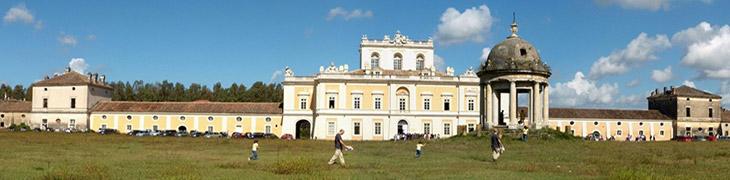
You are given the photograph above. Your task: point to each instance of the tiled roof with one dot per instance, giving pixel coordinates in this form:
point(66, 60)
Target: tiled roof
point(15, 106)
point(606, 114)
point(70, 78)
point(685, 91)
point(188, 107)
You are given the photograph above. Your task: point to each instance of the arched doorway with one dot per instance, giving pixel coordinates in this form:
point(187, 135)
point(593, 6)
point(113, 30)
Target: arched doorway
point(596, 135)
point(403, 127)
point(182, 129)
point(2, 124)
point(303, 129)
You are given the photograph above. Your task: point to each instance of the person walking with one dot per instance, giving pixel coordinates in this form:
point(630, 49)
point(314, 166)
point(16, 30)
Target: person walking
point(524, 133)
point(254, 150)
point(339, 146)
point(497, 146)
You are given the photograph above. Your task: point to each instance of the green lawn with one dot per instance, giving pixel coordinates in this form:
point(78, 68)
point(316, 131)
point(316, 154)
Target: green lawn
point(31, 155)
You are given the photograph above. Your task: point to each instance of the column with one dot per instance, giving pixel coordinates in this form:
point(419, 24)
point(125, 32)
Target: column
point(535, 97)
point(489, 112)
point(512, 103)
point(546, 103)
point(482, 115)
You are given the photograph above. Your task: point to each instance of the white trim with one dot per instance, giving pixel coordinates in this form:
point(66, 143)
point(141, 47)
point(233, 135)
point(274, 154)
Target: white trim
point(168, 122)
point(446, 95)
point(426, 94)
point(356, 92)
point(377, 93)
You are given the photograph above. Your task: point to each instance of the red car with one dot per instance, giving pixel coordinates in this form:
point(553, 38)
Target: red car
point(684, 138)
point(287, 137)
point(237, 135)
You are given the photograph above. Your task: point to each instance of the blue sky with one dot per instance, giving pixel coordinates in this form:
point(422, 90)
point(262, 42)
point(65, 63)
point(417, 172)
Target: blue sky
point(248, 41)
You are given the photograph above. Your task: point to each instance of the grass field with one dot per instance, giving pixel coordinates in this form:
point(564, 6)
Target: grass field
point(31, 155)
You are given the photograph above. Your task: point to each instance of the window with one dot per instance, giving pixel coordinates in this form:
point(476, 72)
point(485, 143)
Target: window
point(572, 131)
point(402, 104)
point(419, 62)
point(129, 127)
point(129, 117)
point(447, 104)
point(470, 127)
point(447, 128)
point(641, 132)
point(210, 128)
point(331, 128)
point(303, 103)
point(45, 89)
point(427, 104)
point(398, 62)
point(641, 123)
point(210, 118)
point(103, 126)
point(268, 129)
point(374, 60)
point(710, 113)
point(73, 88)
point(618, 123)
point(710, 100)
point(661, 124)
point(687, 110)
point(45, 102)
point(268, 119)
point(377, 128)
point(45, 123)
point(182, 118)
point(523, 52)
point(332, 102)
point(595, 123)
point(72, 123)
point(661, 133)
point(239, 119)
point(2, 115)
point(470, 105)
point(155, 128)
point(426, 128)
point(619, 132)
point(103, 116)
point(572, 123)
point(155, 117)
point(377, 102)
point(73, 103)
point(356, 128)
point(356, 103)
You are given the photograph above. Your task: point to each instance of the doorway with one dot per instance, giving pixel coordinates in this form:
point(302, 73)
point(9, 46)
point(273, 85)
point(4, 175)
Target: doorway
point(302, 129)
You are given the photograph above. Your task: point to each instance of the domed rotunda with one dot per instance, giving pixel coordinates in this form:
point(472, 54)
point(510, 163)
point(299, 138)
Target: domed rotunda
point(514, 68)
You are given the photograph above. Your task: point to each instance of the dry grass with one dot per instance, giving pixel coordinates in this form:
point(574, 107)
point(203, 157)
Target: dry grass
point(89, 156)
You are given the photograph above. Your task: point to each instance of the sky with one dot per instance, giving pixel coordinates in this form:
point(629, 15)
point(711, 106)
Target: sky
point(603, 53)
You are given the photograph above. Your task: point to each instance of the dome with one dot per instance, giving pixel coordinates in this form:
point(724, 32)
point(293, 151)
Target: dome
point(514, 55)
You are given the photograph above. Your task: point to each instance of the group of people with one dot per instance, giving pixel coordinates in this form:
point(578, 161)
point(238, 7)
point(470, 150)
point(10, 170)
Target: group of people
point(496, 146)
point(407, 136)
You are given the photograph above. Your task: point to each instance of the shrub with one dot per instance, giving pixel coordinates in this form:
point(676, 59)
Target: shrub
point(12, 127)
point(23, 126)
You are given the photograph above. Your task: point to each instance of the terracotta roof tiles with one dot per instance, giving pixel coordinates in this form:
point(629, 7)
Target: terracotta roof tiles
point(188, 107)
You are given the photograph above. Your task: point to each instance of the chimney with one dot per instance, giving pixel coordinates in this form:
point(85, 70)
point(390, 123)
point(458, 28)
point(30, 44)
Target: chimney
point(91, 77)
point(46, 78)
point(665, 89)
point(656, 90)
point(96, 77)
point(102, 79)
point(68, 69)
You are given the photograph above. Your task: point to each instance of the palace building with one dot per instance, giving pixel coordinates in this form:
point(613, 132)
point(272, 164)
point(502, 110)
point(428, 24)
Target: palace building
point(395, 91)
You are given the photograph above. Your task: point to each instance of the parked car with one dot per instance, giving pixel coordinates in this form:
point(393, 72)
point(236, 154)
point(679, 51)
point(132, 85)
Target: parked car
point(248, 135)
point(212, 134)
point(169, 133)
point(224, 134)
point(195, 133)
point(144, 133)
point(181, 134)
point(287, 137)
point(154, 132)
point(107, 131)
point(711, 138)
point(260, 135)
point(684, 138)
point(700, 138)
point(724, 138)
point(237, 135)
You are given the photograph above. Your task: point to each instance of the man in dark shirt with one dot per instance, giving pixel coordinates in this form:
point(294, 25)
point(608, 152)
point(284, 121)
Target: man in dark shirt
point(497, 147)
point(339, 145)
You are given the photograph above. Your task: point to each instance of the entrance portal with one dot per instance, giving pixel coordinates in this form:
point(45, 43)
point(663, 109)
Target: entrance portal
point(303, 129)
point(182, 129)
point(403, 127)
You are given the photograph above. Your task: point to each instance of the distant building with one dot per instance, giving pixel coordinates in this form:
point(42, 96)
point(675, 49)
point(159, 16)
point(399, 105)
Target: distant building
point(64, 101)
point(14, 112)
point(695, 112)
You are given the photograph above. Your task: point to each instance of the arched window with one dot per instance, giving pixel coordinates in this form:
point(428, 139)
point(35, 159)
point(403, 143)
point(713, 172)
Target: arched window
point(239, 119)
point(419, 62)
point(397, 61)
point(374, 60)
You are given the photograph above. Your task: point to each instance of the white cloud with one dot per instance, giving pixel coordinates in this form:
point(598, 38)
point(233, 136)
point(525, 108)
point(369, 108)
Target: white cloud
point(708, 49)
point(582, 92)
point(276, 76)
point(78, 64)
point(438, 62)
point(347, 15)
point(19, 13)
point(67, 40)
point(631, 100)
point(633, 83)
point(688, 83)
point(485, 53)
point(91, 37)
point(652, 5)
point(471, 25)
point(662, 76)
point(641, 49)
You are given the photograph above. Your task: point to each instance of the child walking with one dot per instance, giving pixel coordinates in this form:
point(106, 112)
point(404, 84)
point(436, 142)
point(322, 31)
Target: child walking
point(254, 150)
point(418, 149)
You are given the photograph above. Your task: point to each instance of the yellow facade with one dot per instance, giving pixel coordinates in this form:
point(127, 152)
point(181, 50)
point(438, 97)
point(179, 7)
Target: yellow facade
point(220, 122)
point(619, 129)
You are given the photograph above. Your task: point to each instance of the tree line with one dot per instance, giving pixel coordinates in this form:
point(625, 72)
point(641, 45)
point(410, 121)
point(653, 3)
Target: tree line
point(168, 91)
